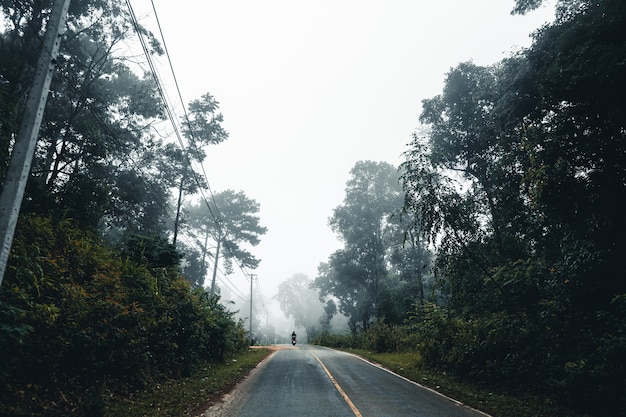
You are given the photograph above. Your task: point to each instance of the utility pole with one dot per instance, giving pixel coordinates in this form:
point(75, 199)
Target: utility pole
point(22, 155)
point(216, 258)
point(252, 276)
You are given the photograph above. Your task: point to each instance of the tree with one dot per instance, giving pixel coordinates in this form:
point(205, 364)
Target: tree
point(100, 158)
point(202, 127)
point(95, 137)
point(464, 178)
point(515, 180)
point(371, 228)
point(299, 300)
point(330, 309)
point(194, 266)
point(227, 222)
point(578, 147)
point(80, 314)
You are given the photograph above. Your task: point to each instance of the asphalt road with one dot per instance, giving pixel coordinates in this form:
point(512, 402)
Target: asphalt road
point(310, 380)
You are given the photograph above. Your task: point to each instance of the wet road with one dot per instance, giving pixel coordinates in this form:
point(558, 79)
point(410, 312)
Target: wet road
point(314, 381)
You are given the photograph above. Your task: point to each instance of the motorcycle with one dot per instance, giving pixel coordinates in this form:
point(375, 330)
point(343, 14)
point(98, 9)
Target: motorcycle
point(293, 340)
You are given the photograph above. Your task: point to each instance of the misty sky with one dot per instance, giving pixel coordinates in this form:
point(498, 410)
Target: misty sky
point(307, 89)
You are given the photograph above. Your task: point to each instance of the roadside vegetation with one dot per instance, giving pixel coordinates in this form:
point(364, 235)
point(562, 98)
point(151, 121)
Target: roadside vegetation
point(189, 396)
point(492, 399)
point(499, 260)
point(80, 319)
point(102, 295)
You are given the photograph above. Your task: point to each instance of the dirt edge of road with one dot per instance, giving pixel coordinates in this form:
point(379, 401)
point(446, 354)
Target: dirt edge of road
point(216, 404)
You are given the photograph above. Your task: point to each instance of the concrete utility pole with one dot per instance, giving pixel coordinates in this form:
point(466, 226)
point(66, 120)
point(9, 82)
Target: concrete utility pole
point(216, 259)
point(251, 281)
point(22, 155)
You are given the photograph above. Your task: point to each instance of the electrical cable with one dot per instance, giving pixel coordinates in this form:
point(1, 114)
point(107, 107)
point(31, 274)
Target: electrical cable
point(216, 216)
point(163, 93)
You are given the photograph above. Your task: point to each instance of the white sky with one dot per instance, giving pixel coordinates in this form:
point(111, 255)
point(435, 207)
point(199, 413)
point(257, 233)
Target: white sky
point(307, 89)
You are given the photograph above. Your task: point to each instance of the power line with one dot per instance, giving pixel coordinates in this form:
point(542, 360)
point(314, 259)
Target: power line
point(215, 215)
point(260, 296)
point(166, 209)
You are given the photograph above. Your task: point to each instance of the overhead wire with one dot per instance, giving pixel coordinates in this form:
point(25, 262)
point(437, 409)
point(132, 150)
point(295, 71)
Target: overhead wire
point(215, 214)
point(163, 93)
point(167, 209)
point(260, 296)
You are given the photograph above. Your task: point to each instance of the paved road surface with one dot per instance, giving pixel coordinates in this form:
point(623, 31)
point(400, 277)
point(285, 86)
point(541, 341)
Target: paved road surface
point(313, 381)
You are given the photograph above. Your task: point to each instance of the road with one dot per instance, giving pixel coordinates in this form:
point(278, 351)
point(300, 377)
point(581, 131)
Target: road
point(308, 380)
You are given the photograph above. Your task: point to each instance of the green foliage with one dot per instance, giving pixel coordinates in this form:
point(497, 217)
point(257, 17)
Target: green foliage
point(492, 400)
point(517, 177)
point(81, 318)
point(379, 271)
point(524, 6)
point(382, 337)
point(76, 316)
point(508, 352)
point(186, 396)
point(155, 252)
point(343, 341)
point(231, 220)
point(204, 124)
point(194, 267)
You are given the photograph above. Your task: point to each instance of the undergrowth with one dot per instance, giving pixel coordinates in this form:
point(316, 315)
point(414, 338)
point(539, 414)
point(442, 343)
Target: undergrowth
point(189, 396)
point(492, 401)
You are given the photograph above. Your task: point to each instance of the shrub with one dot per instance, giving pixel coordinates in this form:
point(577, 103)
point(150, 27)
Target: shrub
point(78, 320)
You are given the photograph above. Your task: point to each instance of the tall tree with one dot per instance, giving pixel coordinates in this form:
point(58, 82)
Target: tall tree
point(201, 127)
point(226, 222)
point(299, 300)
point(464, 177)
point(368, 224)
point(516, 179)
point(578, 147)
point(94, 139)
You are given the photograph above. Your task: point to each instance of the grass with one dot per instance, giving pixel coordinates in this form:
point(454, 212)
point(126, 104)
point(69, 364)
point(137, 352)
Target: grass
point(492, 401)
point(191, 396)
point(186, 396)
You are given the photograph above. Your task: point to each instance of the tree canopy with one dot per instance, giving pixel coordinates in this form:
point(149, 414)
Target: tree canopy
point(518, 176)
point(300, 301)
point(226, 223)
point(94, 298)
point(365, 276)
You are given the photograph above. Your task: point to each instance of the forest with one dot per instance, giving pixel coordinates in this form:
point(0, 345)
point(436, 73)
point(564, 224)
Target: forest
point(494, 250)
point(103, 290)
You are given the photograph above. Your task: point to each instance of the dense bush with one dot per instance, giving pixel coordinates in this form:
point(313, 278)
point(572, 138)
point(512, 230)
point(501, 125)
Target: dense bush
point(342, 341)
point(78, 319)
point(514, 351)
point(581, 369)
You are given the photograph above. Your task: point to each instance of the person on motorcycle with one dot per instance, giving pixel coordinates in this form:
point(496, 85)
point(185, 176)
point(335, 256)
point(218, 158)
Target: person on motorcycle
point(293, 337)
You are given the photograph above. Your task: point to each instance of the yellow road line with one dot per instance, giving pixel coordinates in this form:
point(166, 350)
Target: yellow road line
point(355, 410)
